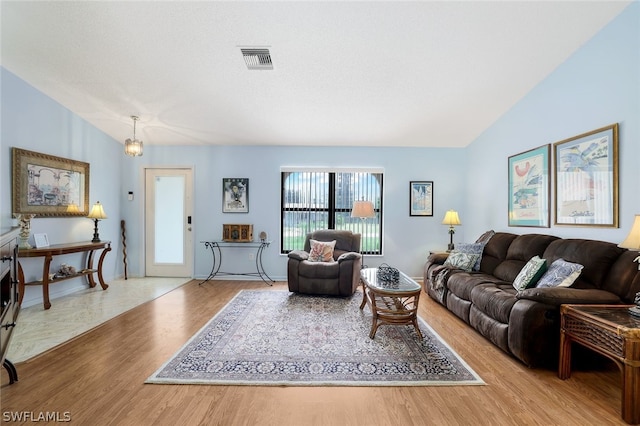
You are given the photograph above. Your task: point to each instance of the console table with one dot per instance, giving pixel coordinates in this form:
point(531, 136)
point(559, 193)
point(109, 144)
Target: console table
point(217, 246)
point(61, 249)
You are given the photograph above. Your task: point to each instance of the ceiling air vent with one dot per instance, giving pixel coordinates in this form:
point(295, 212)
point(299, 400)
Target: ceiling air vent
point(257, 59)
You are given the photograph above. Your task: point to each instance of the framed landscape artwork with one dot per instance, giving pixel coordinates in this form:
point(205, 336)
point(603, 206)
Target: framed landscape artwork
point(235, 195)
point(49, 186)
point(529, 187)
point(421, 198)
point(586, 179)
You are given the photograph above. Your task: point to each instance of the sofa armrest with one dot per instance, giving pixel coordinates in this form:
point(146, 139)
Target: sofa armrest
point(437, 258)
point(560, 295)
point(351, 255)
point(298, 255)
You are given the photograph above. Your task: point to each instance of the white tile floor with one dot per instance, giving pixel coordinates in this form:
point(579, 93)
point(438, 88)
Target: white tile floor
point(39, 330)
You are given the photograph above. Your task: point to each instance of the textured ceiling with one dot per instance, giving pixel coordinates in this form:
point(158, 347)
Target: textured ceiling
point(430, 73)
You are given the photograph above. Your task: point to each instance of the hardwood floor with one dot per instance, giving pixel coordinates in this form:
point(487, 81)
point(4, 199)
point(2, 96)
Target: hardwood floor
point(98, 379)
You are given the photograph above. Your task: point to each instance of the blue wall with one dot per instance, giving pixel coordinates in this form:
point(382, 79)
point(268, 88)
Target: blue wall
point(599, 85)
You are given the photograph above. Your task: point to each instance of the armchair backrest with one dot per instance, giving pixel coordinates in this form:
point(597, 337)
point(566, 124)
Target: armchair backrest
point(346, 241)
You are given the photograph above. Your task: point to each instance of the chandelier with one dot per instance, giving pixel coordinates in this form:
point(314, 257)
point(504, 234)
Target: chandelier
point(133, 147)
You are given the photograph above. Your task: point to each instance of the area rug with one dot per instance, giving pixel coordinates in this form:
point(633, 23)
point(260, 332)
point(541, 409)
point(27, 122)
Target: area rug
point(277, 338)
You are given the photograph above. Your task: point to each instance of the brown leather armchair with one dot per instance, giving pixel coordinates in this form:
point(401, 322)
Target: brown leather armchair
point(339, 277)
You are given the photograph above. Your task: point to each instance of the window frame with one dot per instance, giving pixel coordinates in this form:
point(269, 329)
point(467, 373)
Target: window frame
point(331, 210)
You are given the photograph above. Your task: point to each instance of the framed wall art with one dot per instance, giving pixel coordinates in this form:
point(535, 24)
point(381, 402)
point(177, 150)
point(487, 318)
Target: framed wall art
point(235, 195)
point(586, 179)
point(49, 186)
point(421, 198)
point(529, 187)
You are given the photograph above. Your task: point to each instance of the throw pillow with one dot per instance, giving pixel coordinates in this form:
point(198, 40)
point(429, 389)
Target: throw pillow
point(530, 273)
point(460, 260)
point(476, 248)
point(560, 274)
point(484, 238)
point(321, 251)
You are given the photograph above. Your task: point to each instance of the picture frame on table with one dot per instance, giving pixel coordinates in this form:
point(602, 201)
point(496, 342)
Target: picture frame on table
point(41, 240)
point(421, 198)
point(586, 179)
point(49, 186)
point(529, 188)
point(235, 195)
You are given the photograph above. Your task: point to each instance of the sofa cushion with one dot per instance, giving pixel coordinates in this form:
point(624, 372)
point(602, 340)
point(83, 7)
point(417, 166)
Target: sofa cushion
point(494, 300)
point(531, 273)
point(459, 260)
point(597, 257)
point(461, 283)
point(319, 270)
point(560, 274)
point(321, 251)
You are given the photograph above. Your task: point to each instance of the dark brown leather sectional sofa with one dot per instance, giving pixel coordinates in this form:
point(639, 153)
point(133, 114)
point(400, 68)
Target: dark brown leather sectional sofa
point(526, 324)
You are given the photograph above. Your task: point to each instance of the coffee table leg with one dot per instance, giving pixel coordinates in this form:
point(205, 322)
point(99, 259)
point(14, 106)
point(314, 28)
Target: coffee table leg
point(364, 295)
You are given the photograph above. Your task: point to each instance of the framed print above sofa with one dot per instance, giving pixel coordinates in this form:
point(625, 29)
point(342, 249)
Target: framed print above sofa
point(529, 187)
point(586, 179)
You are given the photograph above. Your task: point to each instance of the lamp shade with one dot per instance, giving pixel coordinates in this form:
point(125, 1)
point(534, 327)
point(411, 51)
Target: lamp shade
point(633, 239)
point(97, 212)
point(451, 218)
point(363, 209)
point(72, 208)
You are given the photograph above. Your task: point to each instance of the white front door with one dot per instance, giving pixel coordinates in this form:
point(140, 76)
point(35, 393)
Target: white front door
point(168, 222)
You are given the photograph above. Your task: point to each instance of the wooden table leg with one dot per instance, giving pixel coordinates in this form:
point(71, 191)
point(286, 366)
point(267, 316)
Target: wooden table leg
point(20, 284)
point(92, 282)
point(45, 282)
point(100, 277)
point(364, 295)
point(564, 365)
point(631, 392)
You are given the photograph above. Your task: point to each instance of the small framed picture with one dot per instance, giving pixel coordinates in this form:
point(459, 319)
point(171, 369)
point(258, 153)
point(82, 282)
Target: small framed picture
point(41, 240)
point(235, 195)
point(421, 198)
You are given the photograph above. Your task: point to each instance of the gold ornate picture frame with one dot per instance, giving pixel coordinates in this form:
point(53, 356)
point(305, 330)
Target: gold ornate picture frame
point(49, 186)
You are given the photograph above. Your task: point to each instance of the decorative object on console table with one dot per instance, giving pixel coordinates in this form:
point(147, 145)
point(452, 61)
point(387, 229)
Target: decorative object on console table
point(237, 233)
point(421, 198)
point(452, 219)
point(529, 187)
point(235, 195)
point(24, 221)
point(97, 213)
point(46, 185)
point(586, 179)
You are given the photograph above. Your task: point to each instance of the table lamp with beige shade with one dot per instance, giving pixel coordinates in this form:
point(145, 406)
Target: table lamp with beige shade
point(632, 242)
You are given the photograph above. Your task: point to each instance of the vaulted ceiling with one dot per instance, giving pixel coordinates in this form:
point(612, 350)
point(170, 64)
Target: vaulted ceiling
point(422, 73)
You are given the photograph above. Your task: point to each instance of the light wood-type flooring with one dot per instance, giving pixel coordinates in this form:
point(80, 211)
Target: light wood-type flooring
point(98, 379)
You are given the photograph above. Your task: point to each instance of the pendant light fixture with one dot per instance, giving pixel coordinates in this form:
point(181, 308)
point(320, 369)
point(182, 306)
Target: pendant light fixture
point(133, 147)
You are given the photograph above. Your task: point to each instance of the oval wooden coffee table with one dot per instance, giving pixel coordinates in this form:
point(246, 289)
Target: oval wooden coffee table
point(393, 303)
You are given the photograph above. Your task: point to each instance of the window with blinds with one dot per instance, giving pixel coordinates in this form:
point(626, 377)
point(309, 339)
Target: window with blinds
point(315, 199)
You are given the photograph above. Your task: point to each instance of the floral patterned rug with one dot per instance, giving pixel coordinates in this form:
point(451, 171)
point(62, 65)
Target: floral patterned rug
point(277, 338)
